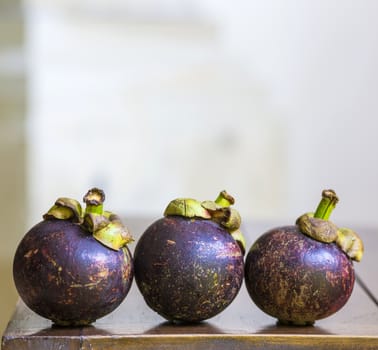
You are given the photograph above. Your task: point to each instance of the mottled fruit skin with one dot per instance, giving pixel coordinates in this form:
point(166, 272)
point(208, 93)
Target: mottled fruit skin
point(62, 273)
point(297, 279)
point(188, 270)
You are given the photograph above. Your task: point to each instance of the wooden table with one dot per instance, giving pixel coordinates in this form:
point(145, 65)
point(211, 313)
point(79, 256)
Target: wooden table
point(241, 326)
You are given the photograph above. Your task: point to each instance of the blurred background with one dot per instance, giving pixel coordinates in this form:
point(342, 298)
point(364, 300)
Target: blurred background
point(157, 99)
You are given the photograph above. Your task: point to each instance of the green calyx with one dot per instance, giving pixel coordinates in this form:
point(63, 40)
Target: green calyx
point(224, 199)
point(218, 211)
point(188, 208)
point(317, 226)
point(105, 226)
point(351, 243)
point(65, 209)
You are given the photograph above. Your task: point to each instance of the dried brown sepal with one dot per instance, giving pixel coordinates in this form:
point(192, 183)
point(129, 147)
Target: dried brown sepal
point(319, 229)
point(94, 222)
point(234, 220)
point(218, 213)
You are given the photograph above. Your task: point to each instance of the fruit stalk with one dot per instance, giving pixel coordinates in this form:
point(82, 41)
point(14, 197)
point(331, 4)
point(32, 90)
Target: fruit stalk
point(94, 200)
point(326, 205)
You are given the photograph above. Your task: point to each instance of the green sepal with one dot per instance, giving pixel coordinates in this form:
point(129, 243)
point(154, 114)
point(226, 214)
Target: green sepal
point(350, 243)
point(218, 211)
point(187, 207)
point(65, 209)
point(224, 199)
point(105, 226)
point(238, 236)
point(114, 235)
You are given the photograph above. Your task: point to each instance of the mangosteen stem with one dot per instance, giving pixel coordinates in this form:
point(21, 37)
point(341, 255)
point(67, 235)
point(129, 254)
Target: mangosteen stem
point(94, 200)
point(326, 205)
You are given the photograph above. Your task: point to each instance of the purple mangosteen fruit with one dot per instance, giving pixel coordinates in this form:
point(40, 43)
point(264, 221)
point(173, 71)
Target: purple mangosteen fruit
point(74, 267)
point(189, 264)
point(303, 273)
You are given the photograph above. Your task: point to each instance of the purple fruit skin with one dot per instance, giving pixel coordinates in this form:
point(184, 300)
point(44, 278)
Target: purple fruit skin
point(62, 273)
point(297, 279)
point(188, 270)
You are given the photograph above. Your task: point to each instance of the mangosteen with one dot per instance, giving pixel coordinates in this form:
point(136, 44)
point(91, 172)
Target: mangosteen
point(189, 264)
point(74, 267)
point(304, 272)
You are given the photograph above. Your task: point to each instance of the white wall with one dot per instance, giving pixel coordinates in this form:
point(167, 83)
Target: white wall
point(272, 100)
point(317, 60)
